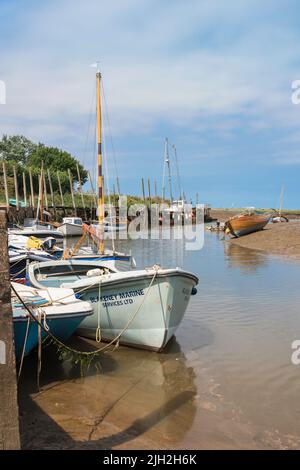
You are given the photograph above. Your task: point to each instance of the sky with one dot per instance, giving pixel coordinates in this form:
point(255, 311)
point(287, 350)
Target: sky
point(215, 77)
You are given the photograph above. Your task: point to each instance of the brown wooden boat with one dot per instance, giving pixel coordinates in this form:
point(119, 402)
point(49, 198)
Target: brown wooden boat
point(244, 224)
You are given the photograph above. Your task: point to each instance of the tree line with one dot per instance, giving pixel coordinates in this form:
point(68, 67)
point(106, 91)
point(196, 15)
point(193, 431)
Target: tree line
point(28, 156)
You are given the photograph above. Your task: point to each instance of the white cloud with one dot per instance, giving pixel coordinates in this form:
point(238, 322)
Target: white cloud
point(177, 62)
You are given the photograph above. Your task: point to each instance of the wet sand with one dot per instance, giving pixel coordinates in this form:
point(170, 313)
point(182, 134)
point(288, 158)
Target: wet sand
point(140, 400)
point(276, 239)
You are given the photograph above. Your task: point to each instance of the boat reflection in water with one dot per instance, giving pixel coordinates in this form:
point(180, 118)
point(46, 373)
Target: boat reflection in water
point(141, 397)
point(246, 259)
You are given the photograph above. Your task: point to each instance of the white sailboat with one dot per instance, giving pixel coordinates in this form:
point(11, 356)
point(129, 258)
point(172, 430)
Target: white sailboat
point(141, 308)
point(176, 211)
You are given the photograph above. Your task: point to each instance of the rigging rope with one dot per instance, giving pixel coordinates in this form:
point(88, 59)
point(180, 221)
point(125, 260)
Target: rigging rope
point(106, 116)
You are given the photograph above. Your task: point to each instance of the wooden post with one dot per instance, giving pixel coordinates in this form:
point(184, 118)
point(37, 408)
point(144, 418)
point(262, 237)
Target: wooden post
point(80, 190)
point(9, 420)
point(24, 189)
point(143, 190)
point(60, 190)
point(45, 190)
point(149, 192)
point(31, 189)
point(72, 192)
point(41, 194)
point(51, 192)
point(61, 193)
point(92, 186)
point(118, 186)
point(5, 184)
point(16, 187)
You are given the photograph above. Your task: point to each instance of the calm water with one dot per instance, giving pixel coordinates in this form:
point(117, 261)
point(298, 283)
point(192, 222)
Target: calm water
point(226, 380)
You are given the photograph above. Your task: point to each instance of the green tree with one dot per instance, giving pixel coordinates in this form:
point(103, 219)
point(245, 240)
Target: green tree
point(16, 148)
point(56, 160)
point(25, 155)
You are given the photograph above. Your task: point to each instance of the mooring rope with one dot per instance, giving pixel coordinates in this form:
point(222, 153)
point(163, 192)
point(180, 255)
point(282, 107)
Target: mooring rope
point(98, 330)
point(90, 355)
point(24, 347)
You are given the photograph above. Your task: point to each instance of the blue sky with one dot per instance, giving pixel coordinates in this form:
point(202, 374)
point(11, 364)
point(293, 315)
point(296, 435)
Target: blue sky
point(214, 76)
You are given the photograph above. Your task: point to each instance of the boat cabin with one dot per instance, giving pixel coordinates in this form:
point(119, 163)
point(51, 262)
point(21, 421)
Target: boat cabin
point(72, 221)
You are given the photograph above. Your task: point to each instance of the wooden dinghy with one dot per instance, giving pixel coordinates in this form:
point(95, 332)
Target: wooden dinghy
point(244, 224)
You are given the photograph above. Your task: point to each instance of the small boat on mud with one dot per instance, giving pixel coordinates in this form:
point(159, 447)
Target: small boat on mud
point(279, 219)
point(144, 307)
point(57, 309)
point(246, 223)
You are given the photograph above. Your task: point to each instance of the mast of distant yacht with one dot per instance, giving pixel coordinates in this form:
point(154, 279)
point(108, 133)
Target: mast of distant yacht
point(167, 163)
point(281, 200)
point(177, 169)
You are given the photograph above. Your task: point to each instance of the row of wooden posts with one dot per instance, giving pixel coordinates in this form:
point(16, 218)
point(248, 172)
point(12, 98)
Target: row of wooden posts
point(155, 191)
point(29, 200)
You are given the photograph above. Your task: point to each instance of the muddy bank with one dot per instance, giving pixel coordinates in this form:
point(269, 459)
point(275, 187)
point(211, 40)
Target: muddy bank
point(224, 214)
point(277, 239)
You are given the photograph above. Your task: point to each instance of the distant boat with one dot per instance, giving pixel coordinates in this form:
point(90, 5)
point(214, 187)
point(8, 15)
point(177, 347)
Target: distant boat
point(244, 224)
point(62, 317)
point(71, 227)
point(279, 218)
point(14, 203)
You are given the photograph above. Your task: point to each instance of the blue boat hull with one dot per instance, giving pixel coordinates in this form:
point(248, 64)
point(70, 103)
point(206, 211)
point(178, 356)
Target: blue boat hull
point(61, 328)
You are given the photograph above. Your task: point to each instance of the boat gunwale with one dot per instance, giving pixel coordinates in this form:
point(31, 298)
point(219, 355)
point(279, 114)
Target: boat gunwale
point(163, 273)
point(54, 316)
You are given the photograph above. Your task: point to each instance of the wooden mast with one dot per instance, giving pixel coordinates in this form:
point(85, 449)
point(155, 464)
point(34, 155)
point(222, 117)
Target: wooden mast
point(99, 172)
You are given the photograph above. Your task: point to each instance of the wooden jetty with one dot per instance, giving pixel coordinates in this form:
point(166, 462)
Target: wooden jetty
point(9, 415)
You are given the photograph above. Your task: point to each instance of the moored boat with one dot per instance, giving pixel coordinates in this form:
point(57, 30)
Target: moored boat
point(144, 307)
point(38, 230)
point(71, 227)
point(58, 310)
point(279, 219)
point(244, 224)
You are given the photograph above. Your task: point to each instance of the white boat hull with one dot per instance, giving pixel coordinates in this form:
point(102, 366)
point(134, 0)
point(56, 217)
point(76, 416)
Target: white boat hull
point(145, 307)
point(70, 230)
point(38, 233)
point(154, 315)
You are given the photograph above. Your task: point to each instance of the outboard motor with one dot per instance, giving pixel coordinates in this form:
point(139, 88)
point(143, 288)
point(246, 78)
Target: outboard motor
point(48, 244)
